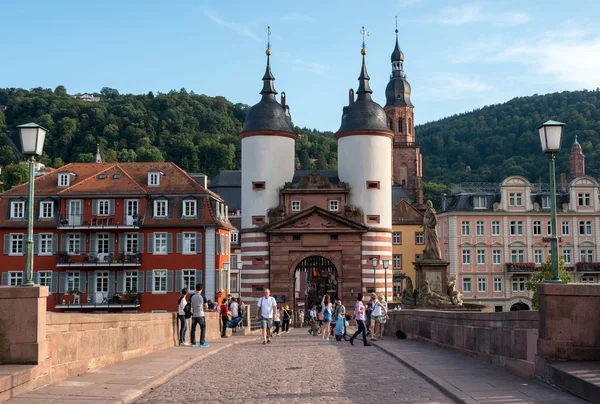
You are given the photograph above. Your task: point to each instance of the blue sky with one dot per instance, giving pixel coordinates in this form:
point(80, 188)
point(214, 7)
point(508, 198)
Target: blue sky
point(459, 55)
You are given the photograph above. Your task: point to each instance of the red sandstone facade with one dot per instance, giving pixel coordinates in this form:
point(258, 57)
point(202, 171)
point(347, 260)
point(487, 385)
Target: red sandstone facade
point(117, 236)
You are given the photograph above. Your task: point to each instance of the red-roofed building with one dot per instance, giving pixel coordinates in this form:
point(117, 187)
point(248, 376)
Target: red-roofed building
point(117, 236)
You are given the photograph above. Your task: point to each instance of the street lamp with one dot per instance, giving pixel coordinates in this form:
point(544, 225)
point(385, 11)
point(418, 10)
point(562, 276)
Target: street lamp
point(227, 282)
point(240, 280)
point(32, 138)
point(550, 136)
point(374, 262)
point(386, 264)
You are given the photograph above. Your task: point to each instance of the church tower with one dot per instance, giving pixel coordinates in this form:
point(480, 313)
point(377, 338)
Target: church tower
point(407, 169)
point(576, 161)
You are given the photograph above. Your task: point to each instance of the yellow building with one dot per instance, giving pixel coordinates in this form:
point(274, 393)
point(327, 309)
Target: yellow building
point(407, 242)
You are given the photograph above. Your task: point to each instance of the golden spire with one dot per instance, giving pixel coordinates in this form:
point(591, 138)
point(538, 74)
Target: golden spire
point(364, 33)
point(268, 31)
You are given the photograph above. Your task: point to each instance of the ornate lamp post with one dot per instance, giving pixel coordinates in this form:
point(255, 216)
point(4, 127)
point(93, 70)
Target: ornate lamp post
point(386, 264)
point(32, 138)
point(374, 262)
point(227, 282)
point(550, 136)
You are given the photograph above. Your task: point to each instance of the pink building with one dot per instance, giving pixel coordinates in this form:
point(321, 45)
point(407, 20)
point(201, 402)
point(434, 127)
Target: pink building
point(496, 236)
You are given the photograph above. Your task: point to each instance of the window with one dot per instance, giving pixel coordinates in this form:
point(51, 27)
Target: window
point(131, 243)
point(234, 237)
point(160, 243)
point(372, 184)
point(584, 200)
point(585, 228)
point(258, 185)
point(373, 219)
point(545, 202)
point(102, 281)
point(537, 228)
point(45, 247)
point(258, 220)
point(16, 244)
point(466, 257)
point(495, 228)
point(498, 309)
point(45, 279)
point(153, 179)
point(189, 208)
point(64, 180)
point(295, 206)
point(496, 257)
point(72, 281)
point(103, 243)
point(480, 228)
point(419, 238)
point(233, 281)
point(296, 237)
point(73, 241)
point(46, 210)
point(566, 252)
point(515, 199)
point(516, 228)
point(189, 243)
point(497, 284)
point(15, 278)
point(549, 228)
point(587, 279)
point(518, 284)
point(189, 278)
point(465, 228)
point(479, 202)
point(103, 208)
point(482, 284)
point(480, 257)
point(467, 285)
point(397, 238)
point(159, 280)
point(17, 210)
point(397, 261)
point(334, 237)
point(587, 255)
point(537, 256)
point(517, 255)
point(334, 205)
point(131, 279)
point(160, 208)
point(566, 227)
point(234, 261)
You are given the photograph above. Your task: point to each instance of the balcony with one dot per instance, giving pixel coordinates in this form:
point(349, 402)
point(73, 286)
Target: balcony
point(588, 267)
point(522, 267)
point(99, 300)
point(92, 259)
point(76, 222)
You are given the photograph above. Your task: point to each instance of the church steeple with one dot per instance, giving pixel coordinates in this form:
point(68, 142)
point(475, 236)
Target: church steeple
point(576, 161)
point(397, 91)
point(397, 58)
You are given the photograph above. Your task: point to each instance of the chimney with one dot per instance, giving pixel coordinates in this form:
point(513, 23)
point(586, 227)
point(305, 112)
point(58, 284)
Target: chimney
point(283, 98)
point(563, 182)
point(351, 96)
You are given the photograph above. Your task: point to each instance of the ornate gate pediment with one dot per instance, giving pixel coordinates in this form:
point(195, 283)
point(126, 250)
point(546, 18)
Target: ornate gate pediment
point(315, 220)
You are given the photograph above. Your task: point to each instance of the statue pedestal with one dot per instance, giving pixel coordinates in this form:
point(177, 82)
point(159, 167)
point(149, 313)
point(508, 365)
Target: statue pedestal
point(433, 271)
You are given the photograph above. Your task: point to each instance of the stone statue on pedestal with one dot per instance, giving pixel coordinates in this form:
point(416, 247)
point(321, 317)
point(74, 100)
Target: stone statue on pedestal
point(408, 297)
point(432, 250)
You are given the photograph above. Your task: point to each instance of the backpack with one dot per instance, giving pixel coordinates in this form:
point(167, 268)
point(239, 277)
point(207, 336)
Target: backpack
point(187, 310)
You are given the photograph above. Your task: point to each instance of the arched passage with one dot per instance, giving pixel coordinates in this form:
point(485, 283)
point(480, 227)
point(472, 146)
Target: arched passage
point(519, 306)
point(315, 276)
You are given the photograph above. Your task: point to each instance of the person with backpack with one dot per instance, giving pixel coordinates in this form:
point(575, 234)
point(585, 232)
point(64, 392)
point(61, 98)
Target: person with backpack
point(287, 317)
point(181, 315)
point(235, 312)
point(197, 305)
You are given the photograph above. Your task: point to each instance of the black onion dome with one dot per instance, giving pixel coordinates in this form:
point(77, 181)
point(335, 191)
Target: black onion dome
point(268, 114)
point(397, 55)
point(397, 92)
point(364, 113)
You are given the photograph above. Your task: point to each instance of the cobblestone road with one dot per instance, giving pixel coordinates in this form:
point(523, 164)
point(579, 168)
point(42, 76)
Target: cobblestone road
point(297, 368)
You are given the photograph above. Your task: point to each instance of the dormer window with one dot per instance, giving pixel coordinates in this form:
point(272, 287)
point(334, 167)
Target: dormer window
point(515, 199)
point(154, 179)
point(479, 202)
point(17, 210)
point(189, 208)
point(160, 208)
point(545, 202)
point(64, 180)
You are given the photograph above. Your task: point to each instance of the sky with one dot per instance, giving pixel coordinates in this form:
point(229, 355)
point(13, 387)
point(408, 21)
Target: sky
point(459, 55)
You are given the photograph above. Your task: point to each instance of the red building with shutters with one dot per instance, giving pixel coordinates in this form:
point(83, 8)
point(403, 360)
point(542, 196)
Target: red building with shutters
point(117, 236)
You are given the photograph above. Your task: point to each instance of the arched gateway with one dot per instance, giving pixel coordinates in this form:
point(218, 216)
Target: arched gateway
point(315, 276)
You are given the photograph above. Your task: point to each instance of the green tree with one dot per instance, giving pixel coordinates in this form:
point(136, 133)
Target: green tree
point(545, 274)
point(7, 156)
point(433, 191)
point(57, 162)
point(15, 174)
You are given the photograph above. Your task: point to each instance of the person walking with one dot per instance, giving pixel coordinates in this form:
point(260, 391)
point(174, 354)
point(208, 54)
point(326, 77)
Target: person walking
point(340, 314)
point(276, 323)
point(235, 312)
point(197, 303)
point(241, 311)
point(267, 306)
point(224, 318)
point(326, 312)
point(369, 311)
point(312, 318)
point(287, 317)
point(359, 315)
point(301, 317)
point(384, 316)
point(377, 312)
point(181, 316)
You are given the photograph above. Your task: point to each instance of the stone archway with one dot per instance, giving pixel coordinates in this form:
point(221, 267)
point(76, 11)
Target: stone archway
point(519, 306)
point(314, 277)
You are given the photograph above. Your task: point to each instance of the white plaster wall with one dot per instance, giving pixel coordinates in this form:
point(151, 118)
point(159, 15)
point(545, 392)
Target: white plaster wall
point(367, 158)
point(209, 263)
point(264, 158)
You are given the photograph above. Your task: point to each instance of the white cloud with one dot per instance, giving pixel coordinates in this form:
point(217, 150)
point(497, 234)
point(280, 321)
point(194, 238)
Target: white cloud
point(472, 13)
point(297, 17)
point(240, 29)
point(568, 55)
point(447, 86)
point(308, 66)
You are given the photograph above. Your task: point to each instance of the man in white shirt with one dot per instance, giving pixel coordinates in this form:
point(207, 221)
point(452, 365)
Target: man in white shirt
point(266, 307)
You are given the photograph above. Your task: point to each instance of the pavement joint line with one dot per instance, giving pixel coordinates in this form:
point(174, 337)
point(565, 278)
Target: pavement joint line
point(134, 394)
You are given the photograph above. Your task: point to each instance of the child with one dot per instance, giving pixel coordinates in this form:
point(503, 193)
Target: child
point(276, 322)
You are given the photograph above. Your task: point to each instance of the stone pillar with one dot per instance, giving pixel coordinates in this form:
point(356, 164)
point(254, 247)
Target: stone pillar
point(23, 324)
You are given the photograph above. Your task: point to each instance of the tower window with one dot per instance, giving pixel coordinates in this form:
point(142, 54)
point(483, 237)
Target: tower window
point(258, 220)
point(372, 218)
point(400, 125)
point(258, 185)
point(409, 125)
point(390, 124)
point(372, 184)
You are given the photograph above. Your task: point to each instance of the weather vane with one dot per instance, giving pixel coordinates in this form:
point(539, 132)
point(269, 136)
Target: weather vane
point(364, 33)
point(268, 31)
point(396, 24)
